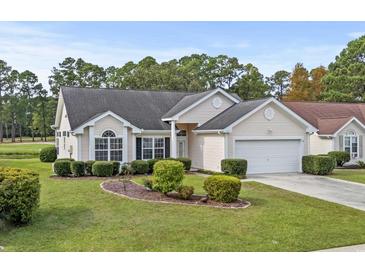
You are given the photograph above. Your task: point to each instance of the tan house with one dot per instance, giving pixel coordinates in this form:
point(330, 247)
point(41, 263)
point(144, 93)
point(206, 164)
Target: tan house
point(124, 125)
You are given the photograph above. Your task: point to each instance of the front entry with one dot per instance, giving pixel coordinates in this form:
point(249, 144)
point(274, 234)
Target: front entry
point(181, 147)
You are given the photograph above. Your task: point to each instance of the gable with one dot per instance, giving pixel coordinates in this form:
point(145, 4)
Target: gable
point(354, 126)
point(108, 123)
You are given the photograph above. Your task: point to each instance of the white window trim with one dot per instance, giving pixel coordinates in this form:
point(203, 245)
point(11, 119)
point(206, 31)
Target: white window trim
point(357, 142)
point(153, 146)
point(108, 143)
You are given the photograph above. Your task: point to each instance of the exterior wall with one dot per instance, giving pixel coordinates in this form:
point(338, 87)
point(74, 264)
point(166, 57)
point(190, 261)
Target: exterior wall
point(205, 111)
point(320, 145)
point(66, 144)
point(282, 125)
point(85, 145)
point(106, 123)
point(357, 129)
point(131, 146)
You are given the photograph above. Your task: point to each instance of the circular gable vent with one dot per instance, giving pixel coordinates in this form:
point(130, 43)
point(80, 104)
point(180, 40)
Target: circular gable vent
point(217, 102)
point(269, 113)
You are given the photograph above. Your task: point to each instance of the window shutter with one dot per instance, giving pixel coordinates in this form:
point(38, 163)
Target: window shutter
point(138, 148)
point(360, 146)
point(167, 147)
point(340, 142)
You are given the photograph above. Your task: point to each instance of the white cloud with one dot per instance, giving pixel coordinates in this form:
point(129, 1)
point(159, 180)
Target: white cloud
point(356, 34)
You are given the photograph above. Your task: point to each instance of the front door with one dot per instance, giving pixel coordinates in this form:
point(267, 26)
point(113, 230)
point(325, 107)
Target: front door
point(181, 148)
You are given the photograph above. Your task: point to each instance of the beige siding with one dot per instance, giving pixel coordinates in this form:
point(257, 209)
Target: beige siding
point(131, 148)
point(110, 123)
point(320, 145)
point(85, 145)
point(205, 111)
point(282, 125)
point(67, 145)
point(357, 129)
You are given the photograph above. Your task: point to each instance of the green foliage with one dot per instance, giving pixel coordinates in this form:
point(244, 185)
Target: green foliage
point(168, 175)
point(19, 194)
point(361, 164)
point(148, 183)
point(62, 167)
point(116, 167)
point(48, 154)
point(126, 169)
point(222, 188)
point(151, 163)
point(140, 166)
point(236, 167)
point(88, 167)
point(185, 192)
point(78, 168)
point(186, 162)
point(341, 157)
point(65, 159)
point(102, 169)
point(279, 83)
point(318, 165)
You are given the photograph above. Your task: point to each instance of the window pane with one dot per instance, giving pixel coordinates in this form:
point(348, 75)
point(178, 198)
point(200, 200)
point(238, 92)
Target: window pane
point(159, 153)
point(108, 133)
point(116, 143)
point(101, 143)
point(101, 155)
point(147, 142)
point(347, 141)
point(159, 143)
point(147, 153)
point(354, 147)
point(116, 155)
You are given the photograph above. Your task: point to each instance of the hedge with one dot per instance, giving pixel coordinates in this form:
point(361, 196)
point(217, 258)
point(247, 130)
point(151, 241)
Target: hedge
point(151, 163)
point(139, 166)
point(222, 188)
point(237, 167)
point(185, 192)
point(78, 168)
point(186, 162)
point(116, 167)
point(318, 165)
point(88, 167)
point(62, 167)
point(168, 175)
point(48, 154)
point(65, 159)
point(102, 169)
point(19, 194)
point(341, 157)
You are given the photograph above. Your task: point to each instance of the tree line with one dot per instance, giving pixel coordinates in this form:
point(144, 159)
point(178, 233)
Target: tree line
point(26, 108)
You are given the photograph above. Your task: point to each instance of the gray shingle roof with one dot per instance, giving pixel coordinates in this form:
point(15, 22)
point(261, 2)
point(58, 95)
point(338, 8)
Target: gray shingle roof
point(143, 109)
point(231, 114)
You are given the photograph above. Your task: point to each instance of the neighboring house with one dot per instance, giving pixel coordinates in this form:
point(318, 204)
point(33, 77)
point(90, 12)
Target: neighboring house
point(341, 126)
point(124, 125)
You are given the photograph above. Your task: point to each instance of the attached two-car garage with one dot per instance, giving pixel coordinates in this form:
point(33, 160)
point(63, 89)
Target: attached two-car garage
point(270, 156)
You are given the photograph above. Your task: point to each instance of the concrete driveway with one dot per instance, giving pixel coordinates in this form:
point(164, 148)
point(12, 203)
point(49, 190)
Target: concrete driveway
point(332, 190)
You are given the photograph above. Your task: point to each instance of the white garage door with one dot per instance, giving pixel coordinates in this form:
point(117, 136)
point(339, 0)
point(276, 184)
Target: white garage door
point(269, 156)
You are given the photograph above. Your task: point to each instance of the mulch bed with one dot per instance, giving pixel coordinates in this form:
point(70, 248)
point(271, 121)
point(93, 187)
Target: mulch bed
point(135, 191)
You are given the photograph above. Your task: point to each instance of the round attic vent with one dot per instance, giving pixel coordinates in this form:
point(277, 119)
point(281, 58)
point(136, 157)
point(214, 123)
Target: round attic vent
point(269, 113)
point(217, 102)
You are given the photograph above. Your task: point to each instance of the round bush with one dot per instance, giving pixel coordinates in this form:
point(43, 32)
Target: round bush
point(88, 167)
point(318, 165)
point(185, 192)
point(19, 194)
point(222, 188)
point(116, 167)
point(126, 169)
point(140, 166)
point(48, 154)
point(62, 167)
point(341, 157)
point(102, 169)
point(65, 159)
point(236, 167)
point(151, 163)
point(168, 175)
point(186, 162)
point(78, 168)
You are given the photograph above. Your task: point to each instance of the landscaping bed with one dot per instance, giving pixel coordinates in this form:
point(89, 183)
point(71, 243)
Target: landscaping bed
point(132, 190)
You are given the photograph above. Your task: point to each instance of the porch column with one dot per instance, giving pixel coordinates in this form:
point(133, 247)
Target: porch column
point(125, 145)
point(91, 143)
point(173, 139)
point(79, 147)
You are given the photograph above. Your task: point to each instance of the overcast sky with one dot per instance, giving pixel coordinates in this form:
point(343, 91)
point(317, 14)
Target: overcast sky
point(38, 46)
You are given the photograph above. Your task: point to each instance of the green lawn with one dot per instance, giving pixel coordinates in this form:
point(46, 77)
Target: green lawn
point(354, 175)
point(76, 215)
point(21, 149)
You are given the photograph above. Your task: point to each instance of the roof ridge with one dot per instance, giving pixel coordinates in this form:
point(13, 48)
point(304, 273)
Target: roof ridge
point(324, 102)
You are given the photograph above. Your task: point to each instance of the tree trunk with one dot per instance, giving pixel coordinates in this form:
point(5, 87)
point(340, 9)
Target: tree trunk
point(13, 132)
point(20, 133)
point(6, 131)
point(1, 131)
point(32, 134)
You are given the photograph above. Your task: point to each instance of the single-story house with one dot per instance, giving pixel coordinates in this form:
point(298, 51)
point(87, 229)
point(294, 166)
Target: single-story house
point(125, 125)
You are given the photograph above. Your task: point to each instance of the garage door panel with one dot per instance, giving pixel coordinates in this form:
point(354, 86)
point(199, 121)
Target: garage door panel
point(269, 156)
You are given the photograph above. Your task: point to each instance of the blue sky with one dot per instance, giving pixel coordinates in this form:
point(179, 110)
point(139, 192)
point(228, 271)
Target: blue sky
point(271, 46)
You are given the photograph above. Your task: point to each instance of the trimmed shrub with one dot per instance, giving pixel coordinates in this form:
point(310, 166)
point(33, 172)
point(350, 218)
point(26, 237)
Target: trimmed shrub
point(236, 167)
point(102, 169)
point(62, 167)
point(168, 175)
point(78, 168)
point(148, 183)
point(65, 159)
point(341, 157)
point(140, 166)
point(361, 164)
point(48, 154)
point(185, 192)
point(126, 169)
point(186, 162)
point(19, 194)
point(151, 163)
point(222, 188)
point(318, 165)
point(116, 167)
point(88, 167)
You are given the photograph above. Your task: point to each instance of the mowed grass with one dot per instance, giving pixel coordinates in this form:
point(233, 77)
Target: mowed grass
point(354, 175)
point(21, 149)
point(76, 215)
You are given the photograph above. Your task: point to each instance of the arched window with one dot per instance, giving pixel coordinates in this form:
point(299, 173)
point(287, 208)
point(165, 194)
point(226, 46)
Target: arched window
point(109, 147)
point(351, 143)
